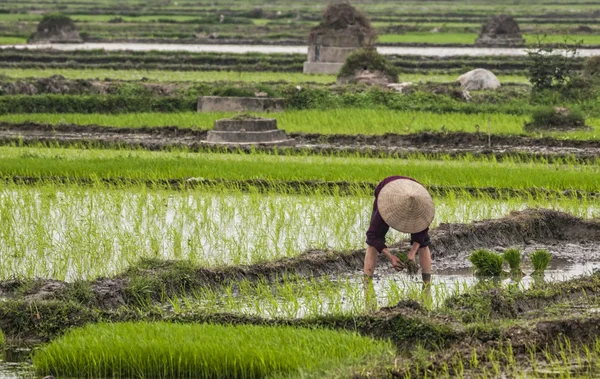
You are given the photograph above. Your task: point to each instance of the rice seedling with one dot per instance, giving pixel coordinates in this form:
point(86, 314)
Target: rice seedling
point(71, 232)
point(201, 351)
point(179, 164)
point(540, 259)
point(513, 258)
point(332, 121)
point(486, 263)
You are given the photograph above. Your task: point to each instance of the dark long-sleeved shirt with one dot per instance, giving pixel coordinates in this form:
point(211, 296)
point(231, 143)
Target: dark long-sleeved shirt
point(379, 228)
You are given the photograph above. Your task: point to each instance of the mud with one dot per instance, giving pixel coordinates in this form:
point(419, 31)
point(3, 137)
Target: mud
point(396, 145)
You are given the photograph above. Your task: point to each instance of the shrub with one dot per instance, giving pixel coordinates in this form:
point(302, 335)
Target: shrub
point(513, 258)
point(591, 67)
point(556, 118)
point(201, 351)
point(547, 70)
point(540, 259)
point(486, 263)
point(54, 22)
point(343, 17)
point(367, 59)
point(2, 339)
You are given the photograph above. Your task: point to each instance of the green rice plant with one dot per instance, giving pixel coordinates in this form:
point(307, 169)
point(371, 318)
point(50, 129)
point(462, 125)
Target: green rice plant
point(513, 258)
point(201, 351)
point(486, 263)
point(147, 166)
point(72, 232)
point(540, 259)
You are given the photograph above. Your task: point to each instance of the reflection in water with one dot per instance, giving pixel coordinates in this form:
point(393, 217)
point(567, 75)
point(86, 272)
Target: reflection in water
point(269, 49)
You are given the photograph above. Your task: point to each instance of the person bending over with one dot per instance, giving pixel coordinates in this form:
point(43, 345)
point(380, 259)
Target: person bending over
point(405, 205)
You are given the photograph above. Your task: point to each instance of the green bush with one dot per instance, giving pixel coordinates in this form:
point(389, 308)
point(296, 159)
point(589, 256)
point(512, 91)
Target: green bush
point(513, 258)
point(94, 104)
point(486, 263)
point(2, 339)
point(55, 21)
point(540, 259)
point(555, 118)
point(548, 70)
point(367, 59)
point(591, 67)
point(201, 351)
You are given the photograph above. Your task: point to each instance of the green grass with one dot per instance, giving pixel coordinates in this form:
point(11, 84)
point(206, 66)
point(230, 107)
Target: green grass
point(334, 121)
point(146, 165)
point(469, 38)
point(428, 37)
point(173, 76)
point(214, 76)
point(202, 351)
point(12, 40)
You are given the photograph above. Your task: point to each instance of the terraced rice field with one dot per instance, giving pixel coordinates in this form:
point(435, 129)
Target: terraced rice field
point(130, 247)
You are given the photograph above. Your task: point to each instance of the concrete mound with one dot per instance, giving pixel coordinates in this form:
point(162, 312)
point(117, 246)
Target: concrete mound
point(55, 28)
point(247, 130)
point(478, 79)
point(500, 31)
point(342, 31)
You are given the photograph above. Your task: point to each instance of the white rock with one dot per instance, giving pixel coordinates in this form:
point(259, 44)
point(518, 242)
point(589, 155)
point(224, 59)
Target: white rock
point(478, 79)
point(400, 87)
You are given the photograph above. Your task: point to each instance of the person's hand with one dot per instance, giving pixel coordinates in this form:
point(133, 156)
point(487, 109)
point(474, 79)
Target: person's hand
point(397, 264)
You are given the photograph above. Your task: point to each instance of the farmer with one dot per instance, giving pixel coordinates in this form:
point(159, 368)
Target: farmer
point(405, 205)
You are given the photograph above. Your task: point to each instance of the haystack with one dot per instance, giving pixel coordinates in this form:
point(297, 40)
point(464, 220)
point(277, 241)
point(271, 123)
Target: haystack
point(342, 31)
point(55, 28)
point(500, 31)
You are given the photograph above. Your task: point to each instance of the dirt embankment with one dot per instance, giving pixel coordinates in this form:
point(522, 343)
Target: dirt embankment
point(397, 145)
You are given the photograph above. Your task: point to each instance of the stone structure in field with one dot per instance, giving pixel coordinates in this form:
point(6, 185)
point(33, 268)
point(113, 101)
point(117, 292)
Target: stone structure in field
point(478, 79)
point(342, 31)
point(247, 130)
point(55, 28)
point(240, 104)
point(500, 31)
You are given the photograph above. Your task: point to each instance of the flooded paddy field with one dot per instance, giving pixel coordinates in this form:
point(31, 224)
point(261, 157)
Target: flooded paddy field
point(129, 247)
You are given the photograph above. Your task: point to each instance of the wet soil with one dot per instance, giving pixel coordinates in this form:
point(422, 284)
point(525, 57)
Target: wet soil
point(397, 145)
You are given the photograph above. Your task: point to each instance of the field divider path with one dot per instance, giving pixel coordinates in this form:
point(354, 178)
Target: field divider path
point(397, 145)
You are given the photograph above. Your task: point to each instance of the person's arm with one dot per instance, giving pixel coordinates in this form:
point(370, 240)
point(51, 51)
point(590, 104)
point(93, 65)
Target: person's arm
point(394, 260)
point(413, 251)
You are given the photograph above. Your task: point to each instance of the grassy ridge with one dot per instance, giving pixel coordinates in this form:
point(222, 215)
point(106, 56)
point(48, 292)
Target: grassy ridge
point(145, 165)
point(212, 76)
point(201, 351)
point(334, 121)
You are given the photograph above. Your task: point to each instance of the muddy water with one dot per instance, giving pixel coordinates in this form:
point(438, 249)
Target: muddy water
point(267, 49)
point(15, 363)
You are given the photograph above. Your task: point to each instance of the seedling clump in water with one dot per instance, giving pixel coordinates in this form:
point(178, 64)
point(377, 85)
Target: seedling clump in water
point(486, 263)
point(513, 258)
point(540, 259)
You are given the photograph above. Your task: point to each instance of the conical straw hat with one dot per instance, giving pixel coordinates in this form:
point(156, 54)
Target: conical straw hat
point(406, 206)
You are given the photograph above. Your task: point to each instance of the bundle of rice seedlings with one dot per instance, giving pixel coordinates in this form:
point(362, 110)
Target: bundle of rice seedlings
point(486, 263)
point(540, 259)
